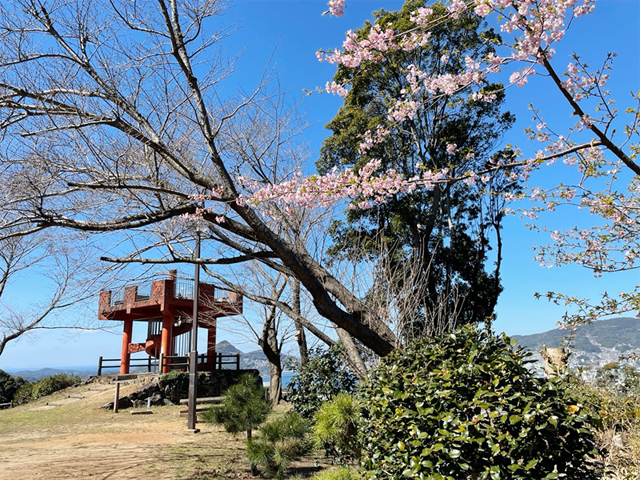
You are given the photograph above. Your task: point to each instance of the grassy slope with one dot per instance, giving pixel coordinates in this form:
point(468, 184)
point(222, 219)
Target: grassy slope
point(35, 429)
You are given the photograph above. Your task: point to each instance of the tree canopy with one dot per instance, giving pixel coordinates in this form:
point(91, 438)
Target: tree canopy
point(445, 232)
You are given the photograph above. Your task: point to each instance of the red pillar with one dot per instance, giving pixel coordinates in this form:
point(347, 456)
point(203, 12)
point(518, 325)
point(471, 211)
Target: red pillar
point(165, 341)
point(126, 341)
point(211, 347)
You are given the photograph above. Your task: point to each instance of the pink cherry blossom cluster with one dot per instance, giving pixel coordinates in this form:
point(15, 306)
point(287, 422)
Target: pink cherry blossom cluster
point(422, 16)
point(401, 110)
point(581, 83)
point(365, 184)
point(337, 89)
point(372, 138)
point(371, 48)
point(365, 187)
point(336, 7)
point(611, 244)
point(535, 25)
point(456, 7)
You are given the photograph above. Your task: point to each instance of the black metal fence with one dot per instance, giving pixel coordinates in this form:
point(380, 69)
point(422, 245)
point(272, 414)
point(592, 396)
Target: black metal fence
point(173, 362)
point(146, 364)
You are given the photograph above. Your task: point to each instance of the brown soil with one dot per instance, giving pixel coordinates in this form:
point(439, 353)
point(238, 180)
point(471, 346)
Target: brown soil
point(78, 440)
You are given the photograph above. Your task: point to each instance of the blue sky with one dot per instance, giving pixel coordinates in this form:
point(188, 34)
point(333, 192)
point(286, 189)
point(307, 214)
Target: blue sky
point(290, 32)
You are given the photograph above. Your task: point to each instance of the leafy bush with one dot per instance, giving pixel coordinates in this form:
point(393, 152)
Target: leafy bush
point(54, 383)
point(9, 385)
point(24, 394)
point(280, 442)
point(46, 386)
point(244, 407)
point(318, 381)
point(336, 427)
point(464, 405)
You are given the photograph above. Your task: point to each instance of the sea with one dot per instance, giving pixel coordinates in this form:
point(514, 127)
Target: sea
point(286, 378)
point(88, 370)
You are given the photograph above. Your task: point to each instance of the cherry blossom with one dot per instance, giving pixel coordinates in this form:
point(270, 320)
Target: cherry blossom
point(530, 29)
point(336, 7)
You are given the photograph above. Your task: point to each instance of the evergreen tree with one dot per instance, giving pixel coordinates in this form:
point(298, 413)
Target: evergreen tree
point(243, 409)
point(9, 385)
point(444, 233)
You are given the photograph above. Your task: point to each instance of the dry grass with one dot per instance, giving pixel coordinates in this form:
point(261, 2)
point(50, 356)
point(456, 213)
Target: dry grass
point(77, 439)
point(621, 448)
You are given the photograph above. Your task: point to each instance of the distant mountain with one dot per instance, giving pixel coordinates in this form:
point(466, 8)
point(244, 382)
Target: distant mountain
point(35, 375)
point(594, 345)
point(226, 348)
point(255, 359)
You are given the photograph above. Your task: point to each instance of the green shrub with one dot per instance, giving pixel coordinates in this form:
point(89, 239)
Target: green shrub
point(24, 394)
point(336, 427)
point(336, 473)
point(281, 441)
point(52, 384)
point(464, 405)
point(46, 386)
point(244, 407)
point(318, 381)
point(9, 385)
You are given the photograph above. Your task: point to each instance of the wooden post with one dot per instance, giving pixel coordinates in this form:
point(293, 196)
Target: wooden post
point(193, 354)
point(160, 363)
point(237, 361)
point(99, 366)
point(117, 398)
point(219, 361)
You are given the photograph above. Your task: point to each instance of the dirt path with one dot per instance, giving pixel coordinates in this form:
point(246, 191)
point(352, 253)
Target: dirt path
point(78, 440)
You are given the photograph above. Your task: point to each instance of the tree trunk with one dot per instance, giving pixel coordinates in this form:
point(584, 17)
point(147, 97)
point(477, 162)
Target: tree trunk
point(275, 383)
point(352, 354)
point(275, 363)
point(301, 336)
point(269, 344)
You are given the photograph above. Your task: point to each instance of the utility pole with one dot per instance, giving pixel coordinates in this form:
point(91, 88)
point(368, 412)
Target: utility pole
point(193, 354)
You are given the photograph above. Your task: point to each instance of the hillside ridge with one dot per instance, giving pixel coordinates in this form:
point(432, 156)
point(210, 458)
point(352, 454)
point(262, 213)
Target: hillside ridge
point(593, 345)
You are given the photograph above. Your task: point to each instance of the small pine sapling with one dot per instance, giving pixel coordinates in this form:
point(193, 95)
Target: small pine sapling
point(243, 409)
